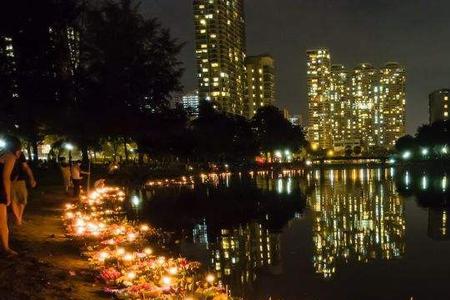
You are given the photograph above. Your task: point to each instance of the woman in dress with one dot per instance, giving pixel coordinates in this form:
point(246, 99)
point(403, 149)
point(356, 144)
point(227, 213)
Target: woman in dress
point(8, 156)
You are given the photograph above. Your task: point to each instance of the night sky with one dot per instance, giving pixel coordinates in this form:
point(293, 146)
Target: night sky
point(412, 32)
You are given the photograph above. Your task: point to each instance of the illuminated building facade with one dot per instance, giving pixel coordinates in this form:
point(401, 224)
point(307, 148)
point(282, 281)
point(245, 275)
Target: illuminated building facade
point(363, 80)
point(220, 52)
point(191, 102)
point(357, 217)
point(9, 89)
point(260, 74)
point(296, 120)
point(362, 107)
point(392, 119)
point(438, 105)
point(318, 77)
point(342, 119)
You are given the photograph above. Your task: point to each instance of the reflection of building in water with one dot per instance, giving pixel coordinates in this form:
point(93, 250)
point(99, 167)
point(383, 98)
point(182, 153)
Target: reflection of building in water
point(356, 216)
point(438, 224)
point(238, 253)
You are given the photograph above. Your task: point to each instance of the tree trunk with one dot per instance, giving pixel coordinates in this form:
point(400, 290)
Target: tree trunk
point(125, 148)
point(84, 153)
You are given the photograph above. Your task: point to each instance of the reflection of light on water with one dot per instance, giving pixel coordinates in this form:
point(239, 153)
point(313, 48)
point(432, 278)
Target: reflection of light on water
point(354, 175)
point(424, 182)
point(289, 186)
point(444, 183)
point(444, 223)
point(355, 222)
point(392, 172)
point(316, 174)
point(407, 179)
point(280, 186)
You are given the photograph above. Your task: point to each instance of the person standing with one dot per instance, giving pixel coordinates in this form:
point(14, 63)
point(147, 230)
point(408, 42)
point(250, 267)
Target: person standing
point(8, 157)
point(76, 177)
point(66, 173)
point(19, 187)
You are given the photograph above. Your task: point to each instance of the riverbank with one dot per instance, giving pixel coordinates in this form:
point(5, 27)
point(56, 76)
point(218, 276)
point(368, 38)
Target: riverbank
point(49, 265)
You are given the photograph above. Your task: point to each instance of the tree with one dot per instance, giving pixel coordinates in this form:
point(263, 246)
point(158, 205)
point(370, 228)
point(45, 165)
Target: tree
point(33, 29)
point(128, 68)
point(274, 132)
point(405, 143)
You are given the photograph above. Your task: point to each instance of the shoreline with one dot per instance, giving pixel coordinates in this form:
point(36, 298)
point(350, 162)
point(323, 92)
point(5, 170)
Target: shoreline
point(49, 265)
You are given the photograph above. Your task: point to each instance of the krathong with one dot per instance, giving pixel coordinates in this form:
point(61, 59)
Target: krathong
point(124, 253)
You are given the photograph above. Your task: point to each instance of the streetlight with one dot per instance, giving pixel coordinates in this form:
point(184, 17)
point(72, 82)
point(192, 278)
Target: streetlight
point(2, 143)
point(406, 155)
point(425, 151)
point(69, 147)
point(444, 150)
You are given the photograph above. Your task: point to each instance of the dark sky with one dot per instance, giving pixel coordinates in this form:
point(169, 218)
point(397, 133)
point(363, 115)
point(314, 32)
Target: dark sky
point(415, 33)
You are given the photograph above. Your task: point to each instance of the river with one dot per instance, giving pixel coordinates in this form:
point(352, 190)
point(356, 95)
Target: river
point(376, 233)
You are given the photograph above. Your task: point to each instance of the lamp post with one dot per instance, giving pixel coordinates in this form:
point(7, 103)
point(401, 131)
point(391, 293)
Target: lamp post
point(69, 147)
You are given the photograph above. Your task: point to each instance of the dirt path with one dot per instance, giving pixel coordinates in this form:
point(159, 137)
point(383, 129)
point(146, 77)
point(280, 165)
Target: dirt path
point(49, 265)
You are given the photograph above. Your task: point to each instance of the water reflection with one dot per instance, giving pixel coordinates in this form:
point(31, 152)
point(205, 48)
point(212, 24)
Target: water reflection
point(238, 224)
point(238, 253)
point(357, 219)
point(430, 189)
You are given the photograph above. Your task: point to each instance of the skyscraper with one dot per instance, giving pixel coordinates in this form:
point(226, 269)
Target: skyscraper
point(364, 107)
point(438, 105)
point(260, 83)
point(363, 80)
point(340, 107)
point(190, 102)
point(318, 77)
point(393, 88)
point(220, 51)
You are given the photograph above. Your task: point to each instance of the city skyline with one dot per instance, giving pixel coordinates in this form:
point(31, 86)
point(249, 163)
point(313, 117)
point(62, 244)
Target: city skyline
point(286, 30)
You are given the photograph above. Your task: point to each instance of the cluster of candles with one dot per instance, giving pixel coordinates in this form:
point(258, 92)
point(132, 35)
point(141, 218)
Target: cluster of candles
point(121, 253)
point(171, 182)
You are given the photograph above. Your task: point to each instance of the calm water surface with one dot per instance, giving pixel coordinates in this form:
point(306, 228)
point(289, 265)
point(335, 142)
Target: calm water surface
point(331, 234)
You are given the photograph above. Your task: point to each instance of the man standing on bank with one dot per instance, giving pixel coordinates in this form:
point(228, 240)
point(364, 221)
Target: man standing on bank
point(19, 187)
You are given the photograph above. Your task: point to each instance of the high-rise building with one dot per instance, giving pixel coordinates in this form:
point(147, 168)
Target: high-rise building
point(191, 102)
point(296, 120)
point(260, 83)
point(9, 88)
point(220, 51)
point(364, 107)
point(392, 119)
point(318, 78)
point(342, 121)
point(363, 80)
point(438, 105)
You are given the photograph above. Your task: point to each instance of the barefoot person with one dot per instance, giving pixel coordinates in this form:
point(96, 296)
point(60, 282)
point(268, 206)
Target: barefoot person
point(19, 187)
point(8, 157)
